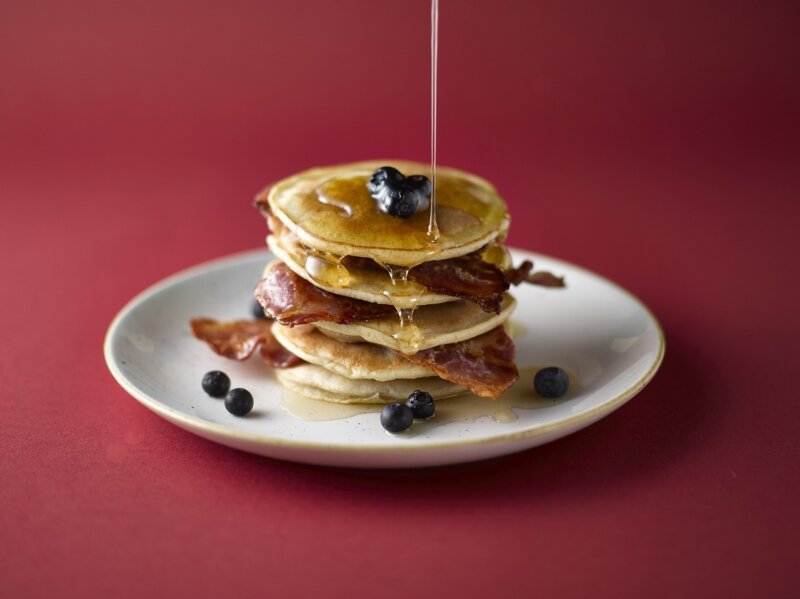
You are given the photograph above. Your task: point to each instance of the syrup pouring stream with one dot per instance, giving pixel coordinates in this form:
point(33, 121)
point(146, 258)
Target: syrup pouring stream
point(433, 227)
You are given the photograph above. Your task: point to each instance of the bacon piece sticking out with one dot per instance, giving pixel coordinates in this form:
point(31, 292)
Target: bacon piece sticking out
point(240, 338)
point(261, 202)
point(467, 277)
point(471, 278)
point(292, 300)
point(483, 364)
point(522, 273)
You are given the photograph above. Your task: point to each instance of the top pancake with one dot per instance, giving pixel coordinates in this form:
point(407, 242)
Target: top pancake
point(330, 210)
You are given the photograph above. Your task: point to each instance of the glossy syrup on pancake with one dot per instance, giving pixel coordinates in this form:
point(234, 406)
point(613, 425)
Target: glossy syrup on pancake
point(331, 210)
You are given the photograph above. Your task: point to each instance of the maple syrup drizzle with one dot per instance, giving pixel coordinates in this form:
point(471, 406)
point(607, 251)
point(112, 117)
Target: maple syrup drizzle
point(497, 254)
point(345, 208)
point(409, 337)
point(433, 226)
point(325, 269)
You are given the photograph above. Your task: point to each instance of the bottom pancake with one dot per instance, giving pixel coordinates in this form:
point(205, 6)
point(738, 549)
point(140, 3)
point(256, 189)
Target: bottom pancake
point(315, 382)
point(351, 360)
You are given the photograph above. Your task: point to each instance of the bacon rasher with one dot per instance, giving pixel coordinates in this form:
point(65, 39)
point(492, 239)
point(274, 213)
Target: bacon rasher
point(239, 339)
point(470, 278)
point(467, 277)
point(291, 300)
point(523, 274)
point(484, 364)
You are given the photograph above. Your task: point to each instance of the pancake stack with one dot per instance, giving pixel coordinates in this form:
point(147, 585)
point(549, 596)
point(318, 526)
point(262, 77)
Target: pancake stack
point(371, 305)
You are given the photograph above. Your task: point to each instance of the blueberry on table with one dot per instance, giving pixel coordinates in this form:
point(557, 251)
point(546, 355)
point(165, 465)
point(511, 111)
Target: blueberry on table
point(396, 417)
point(421, 404)
point(257, 310)
point(216, 383)
point(551, 382)
point(239, 402)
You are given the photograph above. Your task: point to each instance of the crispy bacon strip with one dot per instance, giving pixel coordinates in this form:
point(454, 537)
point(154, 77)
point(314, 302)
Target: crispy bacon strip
point(523, 274)
point(262, 203)
point(471, 278)
point(240, 338)
point(483, 364)
point(545, 279)
point(520, 273)
point(292, 300)
point(467, 277)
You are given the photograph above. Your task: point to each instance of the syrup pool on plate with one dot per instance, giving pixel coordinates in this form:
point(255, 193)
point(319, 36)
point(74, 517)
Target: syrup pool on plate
point(465, 407)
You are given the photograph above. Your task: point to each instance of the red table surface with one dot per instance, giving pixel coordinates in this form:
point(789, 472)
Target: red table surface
point(655, 143)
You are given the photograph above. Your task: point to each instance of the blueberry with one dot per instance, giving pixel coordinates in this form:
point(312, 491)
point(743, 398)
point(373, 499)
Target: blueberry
point(421, 183)
point(421, 404)
point(396, 417)
point(383, 176)
point(551, 382)
point(216, 383)
point(397, 195)
point(238, 402)
point(402, 202)
point(257, 310)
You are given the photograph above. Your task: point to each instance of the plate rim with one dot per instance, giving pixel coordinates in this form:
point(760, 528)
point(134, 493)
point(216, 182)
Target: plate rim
point(195, 423)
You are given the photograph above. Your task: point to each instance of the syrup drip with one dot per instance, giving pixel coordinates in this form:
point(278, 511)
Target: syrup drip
point(326, 269)
point(433, 226)
point(498, 255)
point(345, 208)
point(409, 337)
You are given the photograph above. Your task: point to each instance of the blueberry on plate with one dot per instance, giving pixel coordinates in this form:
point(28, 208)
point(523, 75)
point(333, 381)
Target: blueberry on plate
point(421, 404)
point(216, 383)
point(239, 402)
point(396, 417)
point(551, 382)
point(257, 310)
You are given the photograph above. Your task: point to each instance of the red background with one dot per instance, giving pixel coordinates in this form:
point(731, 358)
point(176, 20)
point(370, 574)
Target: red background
point(654, 142)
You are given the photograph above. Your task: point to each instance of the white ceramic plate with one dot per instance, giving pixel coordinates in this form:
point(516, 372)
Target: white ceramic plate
point(600, 333)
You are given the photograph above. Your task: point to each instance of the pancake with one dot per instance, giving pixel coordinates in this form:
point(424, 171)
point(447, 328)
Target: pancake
point(331, 211)
point(350, 360)
point(315, 382)
point(432, 326)
point(365, 284)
